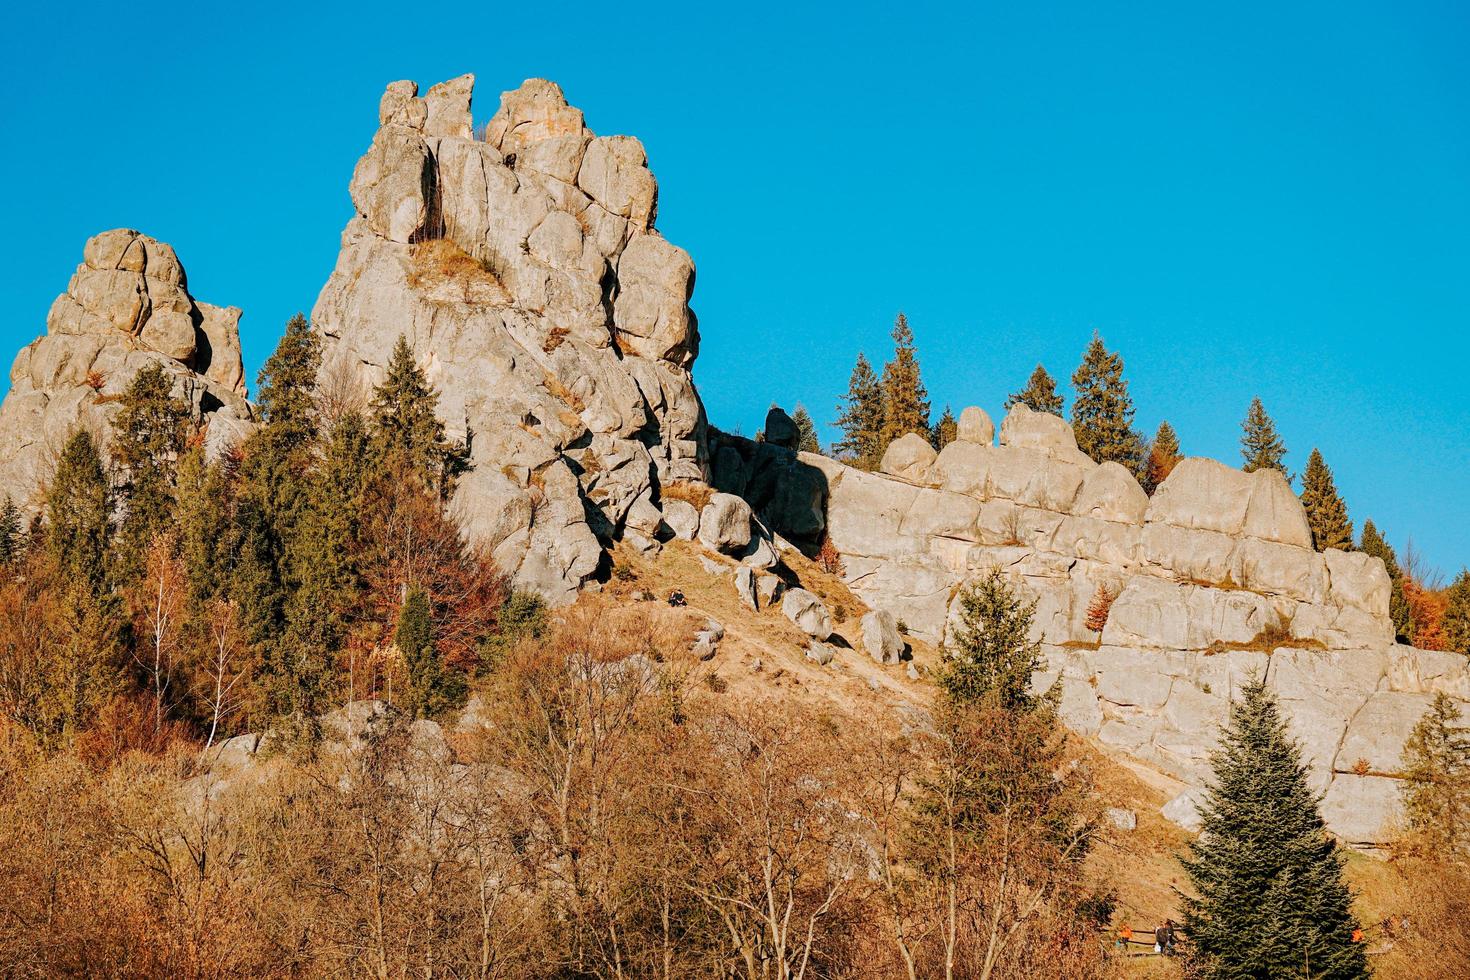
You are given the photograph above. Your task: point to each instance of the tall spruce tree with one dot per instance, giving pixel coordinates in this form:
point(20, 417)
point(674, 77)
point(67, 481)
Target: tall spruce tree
point(79, 515)
point(860, 417)
point(1456, 623)
point(406, 425)
point(945, 429)
point(1372, 542)
point(905, 400)
point(1163, 456)
point(1327, 515)
point(1270, 897)
point(1261, 447)
point(432, 688)
point(149, 434)
point(1436, 771)
point(806, 430)
point(1102, 410)
point(991, 655)
point(1039, 395)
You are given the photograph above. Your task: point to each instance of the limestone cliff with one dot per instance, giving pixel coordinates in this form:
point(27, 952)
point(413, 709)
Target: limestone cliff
point(127, 305)
point(521, 262)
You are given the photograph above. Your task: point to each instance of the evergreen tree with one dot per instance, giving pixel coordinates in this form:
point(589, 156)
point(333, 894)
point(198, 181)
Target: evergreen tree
point(406, 423)
point(806, 431)
point(1261, 447)
point(1373, 543)
point(79, 508)
point(1163, 456)
point(12, 535)
point(1456, 623)
point(1326, 513)
point(150, 431)
point(1102, 411)
point(861, 418)
point(991, 656)
point(432, 688)
point(1271, 901)
point(1436, 774)
point(1039, 395)
point(205, 531)
point(945, 429)
point(905, 400)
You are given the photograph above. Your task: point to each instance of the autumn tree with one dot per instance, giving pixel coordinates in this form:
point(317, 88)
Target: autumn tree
point(806, 431)
point(1039, 395)
point(1163, 456)
point(1261, 447)
point(905, 400)
point(1327, 515)
point(861, 418)
point(1102, 411)
point(158, 597)
point(1372, 542)
point(944, 430)
point(223, 684)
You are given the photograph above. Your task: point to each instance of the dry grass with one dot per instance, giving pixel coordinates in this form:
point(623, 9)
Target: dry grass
point(447, 272)
point(560, 391)
point(1273, 637)
point(694, 494)
point(555, 339)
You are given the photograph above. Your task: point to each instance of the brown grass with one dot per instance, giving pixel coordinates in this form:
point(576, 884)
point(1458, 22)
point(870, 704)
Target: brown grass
point(555, 339)
point(441, 266)
point(1271, 638)
point(558, 390)
point(695, 494)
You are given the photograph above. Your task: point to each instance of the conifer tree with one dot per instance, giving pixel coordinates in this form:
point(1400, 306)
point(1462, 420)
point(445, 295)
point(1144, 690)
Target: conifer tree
point(12, 535)
point(432, 688)
point(806, 431)
point(1261, 447)
point(149, 434)
point(945, 429)
point(1039, 395)
point(1456, 623)
point(1326, 513)
point(861, 418)
point(1436, 772)
point(1163, 456)
point(1102, 410)
point(905, 400)
point(205, 531)
point(991, 655)
point(1270, 897)
point(406, 423)
point(1371, 542)
point(78, 510)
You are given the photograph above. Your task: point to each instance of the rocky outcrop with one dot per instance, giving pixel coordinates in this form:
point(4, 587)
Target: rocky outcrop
point(127, 306)
point(521, 262)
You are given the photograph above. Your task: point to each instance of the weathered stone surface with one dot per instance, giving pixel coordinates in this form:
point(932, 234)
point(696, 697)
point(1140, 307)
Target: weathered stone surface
point(821, 653)
point(1024, 429)
point(780, 429)
point(1110, 493)
point(745, 586)
point(807, 612)
point(1205, 494)
point(1183, 810)
point(682, 519)
point(1121, 819)
point(909, 457)
point(724, 524)
point(975, 427)
point(881, 637)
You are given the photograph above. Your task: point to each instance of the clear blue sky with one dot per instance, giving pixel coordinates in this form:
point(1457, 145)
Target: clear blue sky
point(1244, 199)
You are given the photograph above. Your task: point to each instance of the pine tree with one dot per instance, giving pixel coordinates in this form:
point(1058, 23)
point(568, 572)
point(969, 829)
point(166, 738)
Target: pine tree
point(406, 423)
point(12, 535)
point(1326, 513)
point(944, 430)
point(1039, 395)
point(1261, 447)
point(1456, 622)
point(79, 508)
point(205, 531)
point(1436, 773)
point(1102, 411)
point(150, 431)
point(1163, 456)
point(1371, 542)
point(1271, 901)
point(806, 431)
point(905, 400)
point(861, 418)
point(432, 688)
point(991, 656)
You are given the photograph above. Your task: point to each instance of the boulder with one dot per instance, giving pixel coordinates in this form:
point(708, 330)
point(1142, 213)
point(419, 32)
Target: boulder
point(1205, 494)
point(975, 427)
point(908, 457)
point(768, 588)
point(821, 653)
point(724, 524)
point(1121, 819)
point(881, 637)
point(745, 586)
point(807, 612)
point(682, 519)
point(1183, 810)
point(1026, 429)
point(1110, 493)
point(781, 429)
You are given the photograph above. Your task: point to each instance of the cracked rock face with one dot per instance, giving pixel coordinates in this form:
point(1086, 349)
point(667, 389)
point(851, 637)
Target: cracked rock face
point(520, 261)
point(127, 306)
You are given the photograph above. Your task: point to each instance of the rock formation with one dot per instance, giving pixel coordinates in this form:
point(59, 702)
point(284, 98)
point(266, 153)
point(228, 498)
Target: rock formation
point(521, 262)
point(127, 306)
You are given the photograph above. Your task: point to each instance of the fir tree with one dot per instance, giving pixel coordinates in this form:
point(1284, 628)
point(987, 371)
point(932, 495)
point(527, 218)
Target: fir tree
point(1436, 774)
point(206, 533)
point(945, 429)
point(806, 431)
point(905, 400)
point(1039, 395)
point(1261, 447)
point(287, 386)
point(1456, 623)
point(1163, 456)
point(1371, 542)
point(861, 418)
point(1326, 513)
point(432, 688)
point(991, 656)
point(1271, 901)
point(12, 535)
point(149, 434)
point(78, 509)
point(1102, 411)
point(406, 423)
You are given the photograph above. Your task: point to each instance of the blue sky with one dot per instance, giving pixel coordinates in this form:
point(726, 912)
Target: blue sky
point(1243, 198)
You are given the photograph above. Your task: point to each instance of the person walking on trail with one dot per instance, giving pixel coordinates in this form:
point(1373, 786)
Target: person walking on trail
point(1164, 938)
